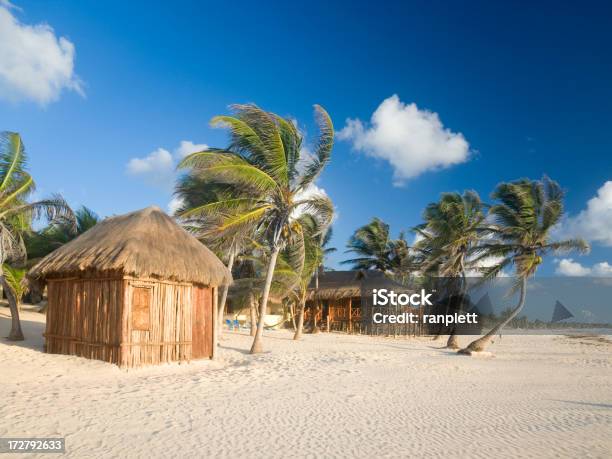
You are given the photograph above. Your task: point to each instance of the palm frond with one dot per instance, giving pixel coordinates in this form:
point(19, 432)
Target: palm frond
point(52, 208)
point(229, 168)
point(318, 205)
point(265, 126)
point(18, 189)
point(292, 144)
point(580, 245)
point(323, 149)
point(12, 159)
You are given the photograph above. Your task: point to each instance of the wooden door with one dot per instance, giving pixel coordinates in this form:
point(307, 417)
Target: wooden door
point(202, 323)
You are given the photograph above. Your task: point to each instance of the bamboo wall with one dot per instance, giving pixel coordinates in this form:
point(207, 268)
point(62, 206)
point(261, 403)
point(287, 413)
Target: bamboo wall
point(169, 335)
point(84, 317)
point(129, 322)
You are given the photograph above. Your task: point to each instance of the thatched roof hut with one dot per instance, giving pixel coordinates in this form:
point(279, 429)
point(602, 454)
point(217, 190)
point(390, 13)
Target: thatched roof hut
point(350, 284)
point(135, 289)
point(343, 299)
point(144, 244)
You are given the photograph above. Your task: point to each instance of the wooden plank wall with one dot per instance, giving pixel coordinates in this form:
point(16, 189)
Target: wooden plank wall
point(93, 318)
point(339, 309)
point(169, 337)
point(203, 322)
point(83, 318)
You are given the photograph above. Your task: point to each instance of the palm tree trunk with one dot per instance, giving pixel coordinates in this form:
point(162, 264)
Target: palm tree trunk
point(225, 289)
point(253, 317)
point(453, 341)
point(292, 312)
point(300, 324)
point(257, 347)
point(315, 307)
point(481, 343)
point(315, 327)
point(16, 333)
point(438, 334)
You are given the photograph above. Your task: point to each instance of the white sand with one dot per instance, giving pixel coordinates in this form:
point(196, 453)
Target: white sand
point(330, 395)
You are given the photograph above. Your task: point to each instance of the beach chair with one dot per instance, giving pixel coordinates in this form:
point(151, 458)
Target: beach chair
point(229, 324)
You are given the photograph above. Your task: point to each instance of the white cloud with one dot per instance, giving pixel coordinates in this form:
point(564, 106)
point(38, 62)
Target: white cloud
point(603, 269)
point(593, 223)
point(8, 5)
point(158, 168)
point(310, 191)
point(413, 141)
point(569, 267)
point(174, 205)
point(186, 147)
point(35, 64)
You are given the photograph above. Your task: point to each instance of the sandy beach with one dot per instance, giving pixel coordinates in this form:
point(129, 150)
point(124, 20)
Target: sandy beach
point(329, 395)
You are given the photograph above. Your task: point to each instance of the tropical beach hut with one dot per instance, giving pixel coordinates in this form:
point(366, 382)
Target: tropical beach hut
point(342, 301)
point(135, 289)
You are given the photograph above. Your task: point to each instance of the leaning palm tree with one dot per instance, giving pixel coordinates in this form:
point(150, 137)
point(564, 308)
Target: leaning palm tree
point(194, 192)
point(453, 226)
point(524, 216)
point(314, 254)
point(16, 214)
point(263, 175)
point(250, 272)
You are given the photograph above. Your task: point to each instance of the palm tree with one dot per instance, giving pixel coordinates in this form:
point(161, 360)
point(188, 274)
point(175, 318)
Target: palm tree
point(374, 248)
point(250, 271)
point(524, 216)
point(59, 232)
point(16, 214)
point(314, 254)
point(263, 176)
point(404, 260)
point(453, 227)
point(323, 240)
point(194, 192)
point(246, 288)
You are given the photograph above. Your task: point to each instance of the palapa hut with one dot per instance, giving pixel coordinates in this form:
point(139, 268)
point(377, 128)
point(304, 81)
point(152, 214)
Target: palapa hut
point(135, 289)
point(343, 302)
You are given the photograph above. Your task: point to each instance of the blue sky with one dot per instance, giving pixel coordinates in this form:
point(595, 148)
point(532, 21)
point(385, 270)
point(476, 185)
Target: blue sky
point(526, 85)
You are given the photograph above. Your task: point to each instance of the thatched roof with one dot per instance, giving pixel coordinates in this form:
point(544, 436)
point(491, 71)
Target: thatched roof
point(146, 244)
point(350, 284)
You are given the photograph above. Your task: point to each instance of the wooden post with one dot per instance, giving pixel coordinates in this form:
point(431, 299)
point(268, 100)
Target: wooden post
point(125, 349)
point(350, 315)
point(215, 325)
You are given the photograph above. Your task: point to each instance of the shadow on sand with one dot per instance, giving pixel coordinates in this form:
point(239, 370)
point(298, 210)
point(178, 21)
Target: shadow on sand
point(237, 349)
point(575, 402)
